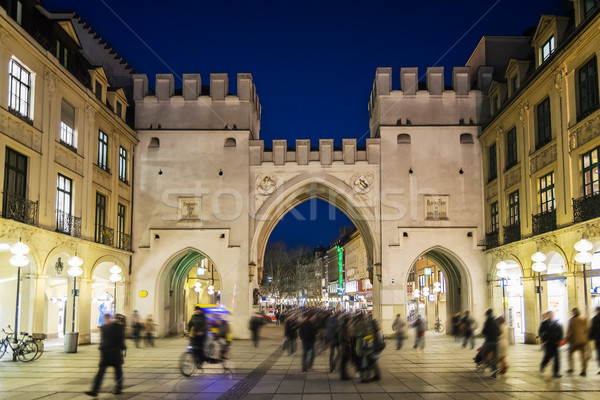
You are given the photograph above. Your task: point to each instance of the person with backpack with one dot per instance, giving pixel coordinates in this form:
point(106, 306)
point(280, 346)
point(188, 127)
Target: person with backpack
point(371, 372)
point(551, 333)
point(399, 328)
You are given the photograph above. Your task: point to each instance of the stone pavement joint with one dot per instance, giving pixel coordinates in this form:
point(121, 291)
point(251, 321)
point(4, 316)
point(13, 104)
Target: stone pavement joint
point(245, 385)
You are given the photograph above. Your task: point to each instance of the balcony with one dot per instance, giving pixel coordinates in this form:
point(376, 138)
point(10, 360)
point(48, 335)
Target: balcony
point(123, 241)
point(20, 209)
point(491, 240)
point(586, 207)
point(66, 223)
point(104, 235)
point(544, 222)
point(512, 233)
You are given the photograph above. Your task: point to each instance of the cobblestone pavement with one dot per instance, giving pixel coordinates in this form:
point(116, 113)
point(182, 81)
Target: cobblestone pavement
point(443, 370)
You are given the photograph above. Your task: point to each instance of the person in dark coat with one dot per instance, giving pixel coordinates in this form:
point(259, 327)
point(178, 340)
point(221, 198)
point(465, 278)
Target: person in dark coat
point(112, 345)
point(551, 333)
point(255, 323)
point(197, 329)
point(456, 326)
point(345, 346)
point(308, 334)
point(490, 332)
point(291, 333)
point(419, 326)
point(595, 334)
point(331, 339)
point(467, 326)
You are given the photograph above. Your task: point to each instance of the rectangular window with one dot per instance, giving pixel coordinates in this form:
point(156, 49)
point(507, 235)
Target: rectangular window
point(494, 104)
point(544, 129)
point(20, 89)
point(98, 90)
point(548, 48)
point(123, 164)
point(590, 172)
point(493, 172)
point(494, 224)
point(588, 88)
point(513, 208)
point(442, 281)
point(513, 85)
point(62, 53)
point(589, 5)
point(511, 148)
point(15, 10)
point(15, 178)
point(103, 150)
point(64, 201)
point(119, 109)
point(67, 125)
point(421, 280)
point(100, 217)
point(547, 199)
point(120, 226)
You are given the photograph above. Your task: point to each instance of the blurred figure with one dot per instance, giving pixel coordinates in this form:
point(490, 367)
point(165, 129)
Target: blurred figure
point(456, 326)
point(331, 340)
point(371, 372)
point(149, 327)
point(345, 345)
point(112, 345)
point(399, 328)
point(196, 327)
point(290, 329)
point(490, 334)
point(468, 327)
point(551, 333)
point(419, 326)
point(502, 347)
point(308, 334)
point(255, 323)
point(595, 334)
point(577, 338)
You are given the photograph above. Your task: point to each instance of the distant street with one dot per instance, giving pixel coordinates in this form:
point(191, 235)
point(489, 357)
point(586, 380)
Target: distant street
point(442, 371)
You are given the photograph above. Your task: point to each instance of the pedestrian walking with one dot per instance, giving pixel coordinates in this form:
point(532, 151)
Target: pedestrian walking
point(196, 328)
point(399, 328)
point(577, 338)
point(595, 334)
point(112, 346)
point(456, 326)
point(419, 326)
point(136, 326)
point(308, 334)
point(290, 329)
point(331, 340)
point(377, 344)
point(255, 323)
point(467, 326)
point(490, 334)
point(551, 333)
point(149, 327)
point(502, 347)
point(346, 348)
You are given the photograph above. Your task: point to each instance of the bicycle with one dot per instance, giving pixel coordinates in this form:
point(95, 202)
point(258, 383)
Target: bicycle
point(438, 326)
point(215, 351)
point(24, 349)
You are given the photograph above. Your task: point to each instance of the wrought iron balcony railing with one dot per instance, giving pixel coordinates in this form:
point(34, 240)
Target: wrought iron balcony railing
point(66, 223)
point(20, 209)
point(512, 233)
point(104, 235)
point(123, 241)
point(544, 222)
point(586, 207)
point(491, 240)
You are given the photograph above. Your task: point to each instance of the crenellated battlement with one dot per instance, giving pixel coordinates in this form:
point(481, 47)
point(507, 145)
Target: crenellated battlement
point(303, 154)
point(195, 109)
point(430, 104)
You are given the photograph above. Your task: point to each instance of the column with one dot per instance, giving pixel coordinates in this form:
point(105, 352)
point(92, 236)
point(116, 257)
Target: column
point(84, 304)
point(532, 311)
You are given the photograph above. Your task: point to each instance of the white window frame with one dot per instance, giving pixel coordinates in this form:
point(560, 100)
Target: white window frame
point(31, 94)
point(548, 48)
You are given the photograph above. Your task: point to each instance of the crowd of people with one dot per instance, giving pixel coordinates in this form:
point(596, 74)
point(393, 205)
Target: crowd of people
point(142, 329)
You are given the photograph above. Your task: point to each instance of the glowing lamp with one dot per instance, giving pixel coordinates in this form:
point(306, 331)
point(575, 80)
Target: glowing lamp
point(538, 267)
point(538, 257)
point(583, 245)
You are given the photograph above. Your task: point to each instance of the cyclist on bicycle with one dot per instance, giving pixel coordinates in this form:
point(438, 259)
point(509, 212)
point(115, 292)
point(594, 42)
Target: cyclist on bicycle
point(197, 329)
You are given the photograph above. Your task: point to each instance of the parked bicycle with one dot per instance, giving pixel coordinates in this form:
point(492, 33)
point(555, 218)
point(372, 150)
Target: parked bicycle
point(24, 349)
point(216, 350)
point(438, 326)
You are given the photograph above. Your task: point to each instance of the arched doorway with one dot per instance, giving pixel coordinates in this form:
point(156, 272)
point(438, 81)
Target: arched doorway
point(192, 279)
point(508, 288)
point(107, 295)
point(436, 288)
point(556, 287)
point(56, 296)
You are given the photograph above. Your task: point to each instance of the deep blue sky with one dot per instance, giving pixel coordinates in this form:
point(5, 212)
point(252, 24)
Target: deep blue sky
point(313, 62)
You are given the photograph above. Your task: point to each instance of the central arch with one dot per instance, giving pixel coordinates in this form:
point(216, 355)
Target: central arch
point(360, 209)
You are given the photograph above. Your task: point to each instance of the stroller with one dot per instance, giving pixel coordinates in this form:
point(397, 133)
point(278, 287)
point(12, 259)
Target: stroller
point(482, 360)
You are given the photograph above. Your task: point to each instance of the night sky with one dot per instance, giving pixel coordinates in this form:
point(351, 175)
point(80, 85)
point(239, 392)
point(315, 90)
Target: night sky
point(313, 62)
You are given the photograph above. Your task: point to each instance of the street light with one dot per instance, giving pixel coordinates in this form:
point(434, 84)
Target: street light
point(538, 266)
point(115, 277)
point(19, 259)
point(74, 270)
point(583, 257)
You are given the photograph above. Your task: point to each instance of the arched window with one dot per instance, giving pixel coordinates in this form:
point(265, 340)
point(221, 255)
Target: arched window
point(230, 142)
point(154, 143)
point(403, 138)
point(466, 138)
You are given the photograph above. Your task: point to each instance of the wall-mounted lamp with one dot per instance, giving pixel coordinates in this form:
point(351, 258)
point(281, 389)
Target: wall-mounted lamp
point(460, 171)
point(59, 266)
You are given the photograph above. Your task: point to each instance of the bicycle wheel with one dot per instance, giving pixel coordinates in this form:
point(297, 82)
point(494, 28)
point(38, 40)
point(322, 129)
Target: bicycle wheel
point(187, 363)
point(2, 348)
point(441, 328)
point(27, 351)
